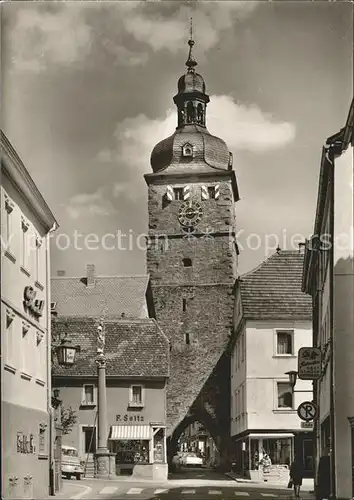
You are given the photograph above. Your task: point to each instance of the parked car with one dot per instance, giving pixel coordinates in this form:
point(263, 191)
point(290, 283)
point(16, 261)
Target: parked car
point(70, 462)
point(191, 459)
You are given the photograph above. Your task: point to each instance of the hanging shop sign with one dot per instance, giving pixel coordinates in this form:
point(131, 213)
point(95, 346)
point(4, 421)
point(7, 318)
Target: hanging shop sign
point(309, 363)
point(31, 304)
point(129, 418)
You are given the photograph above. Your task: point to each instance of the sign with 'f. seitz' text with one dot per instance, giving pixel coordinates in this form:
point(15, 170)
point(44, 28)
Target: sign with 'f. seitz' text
point(309, 363)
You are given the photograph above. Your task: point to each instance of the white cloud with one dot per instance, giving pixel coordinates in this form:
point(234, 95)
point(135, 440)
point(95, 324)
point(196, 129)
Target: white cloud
point(243, 128)
point(42, 36)
point(96, 204)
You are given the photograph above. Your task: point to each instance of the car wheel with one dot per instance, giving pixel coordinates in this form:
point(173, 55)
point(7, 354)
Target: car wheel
point(78, 477)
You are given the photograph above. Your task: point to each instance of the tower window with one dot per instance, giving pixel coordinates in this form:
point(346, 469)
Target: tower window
point(187, 338)
point(187, 150)
point(178, 192)
point(184, 305)
point(211, 192)
point(200, 114)
point(187, 262)
point(190, 112)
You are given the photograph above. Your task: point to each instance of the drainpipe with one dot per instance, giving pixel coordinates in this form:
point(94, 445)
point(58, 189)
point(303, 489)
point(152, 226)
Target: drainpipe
point(49, 362)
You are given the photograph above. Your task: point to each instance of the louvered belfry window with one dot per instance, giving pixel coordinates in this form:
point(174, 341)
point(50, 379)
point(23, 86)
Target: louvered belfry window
point(284, 343)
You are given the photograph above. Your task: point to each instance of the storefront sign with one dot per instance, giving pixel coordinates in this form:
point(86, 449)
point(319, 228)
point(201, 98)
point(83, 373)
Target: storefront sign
point(30, 302)
point(309, 363)
point(129, 418)
point(25, 443)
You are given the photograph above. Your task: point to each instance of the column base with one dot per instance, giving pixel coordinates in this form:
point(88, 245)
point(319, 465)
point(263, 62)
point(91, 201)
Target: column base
point(102, 464)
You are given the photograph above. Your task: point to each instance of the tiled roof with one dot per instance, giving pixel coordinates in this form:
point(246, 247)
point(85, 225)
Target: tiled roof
point(273, 289)
point(121, 294)
point(133, 348)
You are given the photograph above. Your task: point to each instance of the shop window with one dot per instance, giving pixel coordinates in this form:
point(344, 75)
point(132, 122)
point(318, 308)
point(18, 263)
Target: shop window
point(178, 193)
point(136, 397)
point(278, 450)
point(159, 448)
point(285, 343)
point(88, 395)
point(187, 262)
point(131, 452)
point(285, 395)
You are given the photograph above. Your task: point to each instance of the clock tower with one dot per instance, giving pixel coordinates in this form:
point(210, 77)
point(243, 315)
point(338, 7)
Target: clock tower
point(192, 259)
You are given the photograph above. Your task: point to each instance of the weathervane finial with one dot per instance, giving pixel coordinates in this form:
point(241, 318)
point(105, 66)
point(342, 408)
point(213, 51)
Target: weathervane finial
point(191, 63)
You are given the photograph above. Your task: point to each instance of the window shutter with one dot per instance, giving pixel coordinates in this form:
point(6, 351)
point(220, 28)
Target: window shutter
point(217, 191)
point(204, 193)
point(186, 192)
point(169, 193)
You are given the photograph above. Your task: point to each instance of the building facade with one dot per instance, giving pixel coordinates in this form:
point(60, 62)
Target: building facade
point(272, 321)
point(193, 261)
point(137, 353)
point(26, 223)
point(329, 278)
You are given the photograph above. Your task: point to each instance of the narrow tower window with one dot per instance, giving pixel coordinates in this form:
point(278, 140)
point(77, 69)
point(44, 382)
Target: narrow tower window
point(178, 192)
point(200, 114)
point(211, 192)
point(187, 262)
point(187, 339)
point(184, 305)
point(190, 112)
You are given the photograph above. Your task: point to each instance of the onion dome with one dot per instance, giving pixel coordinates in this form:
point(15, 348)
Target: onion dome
point(191, 145)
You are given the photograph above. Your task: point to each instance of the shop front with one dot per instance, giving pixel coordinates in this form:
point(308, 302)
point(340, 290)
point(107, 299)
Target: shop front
point(266, 457)
point(140, 450)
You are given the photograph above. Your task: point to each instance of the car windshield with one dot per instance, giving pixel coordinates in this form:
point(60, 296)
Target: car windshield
point(69, 453)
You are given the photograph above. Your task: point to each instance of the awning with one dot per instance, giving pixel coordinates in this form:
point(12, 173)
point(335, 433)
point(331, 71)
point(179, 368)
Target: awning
point(274, 435)
point(130, 432)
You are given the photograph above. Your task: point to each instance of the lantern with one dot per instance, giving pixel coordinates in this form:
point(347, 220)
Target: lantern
point(66, 352)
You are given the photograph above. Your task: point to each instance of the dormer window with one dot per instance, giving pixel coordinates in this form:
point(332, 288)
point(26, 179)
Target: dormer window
point(187, 150)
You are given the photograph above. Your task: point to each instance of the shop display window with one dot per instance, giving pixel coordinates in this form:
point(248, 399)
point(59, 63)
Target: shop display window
point(131, 452)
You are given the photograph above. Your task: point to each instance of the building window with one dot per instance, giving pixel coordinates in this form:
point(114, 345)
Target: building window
point(38, 259)
point(9, 206)
point(40, 355)
point(285, 395)
point(187, 262)
point(9, 340)
point(88, 395)
point(187, 150)
point(184, 305)
point(136, 395)
point(24, 244)
point(211, 192)
point(187, 338)
point(285, 342)
point(27, 349)
point(178, 193)
point(242, 347)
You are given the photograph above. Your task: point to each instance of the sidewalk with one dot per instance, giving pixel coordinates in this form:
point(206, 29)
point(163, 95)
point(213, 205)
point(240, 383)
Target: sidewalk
point(307, 484)
point(72, 491)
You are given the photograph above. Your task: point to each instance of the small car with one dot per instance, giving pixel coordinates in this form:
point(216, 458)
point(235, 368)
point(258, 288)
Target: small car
point(191, 459)
point(70, 463)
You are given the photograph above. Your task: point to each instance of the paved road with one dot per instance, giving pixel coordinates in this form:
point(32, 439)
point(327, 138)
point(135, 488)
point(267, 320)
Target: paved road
point(186, 485)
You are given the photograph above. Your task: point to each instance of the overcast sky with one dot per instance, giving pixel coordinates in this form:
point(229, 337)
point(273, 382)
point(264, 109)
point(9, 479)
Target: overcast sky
point(87, 93)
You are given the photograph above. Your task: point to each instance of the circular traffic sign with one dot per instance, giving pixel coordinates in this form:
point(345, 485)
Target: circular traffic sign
point(307, 411)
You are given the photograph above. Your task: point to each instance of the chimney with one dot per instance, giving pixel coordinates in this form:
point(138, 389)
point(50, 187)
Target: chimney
point(60, 273)
point(90, 274)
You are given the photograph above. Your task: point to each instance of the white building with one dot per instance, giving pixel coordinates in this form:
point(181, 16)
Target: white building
point(272, 321)
point(26, 222)
point(329, 279)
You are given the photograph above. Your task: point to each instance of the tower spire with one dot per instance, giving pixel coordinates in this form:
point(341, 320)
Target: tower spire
point(191, 62)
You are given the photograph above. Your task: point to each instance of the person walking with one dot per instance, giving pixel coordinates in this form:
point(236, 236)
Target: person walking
point(296, 476)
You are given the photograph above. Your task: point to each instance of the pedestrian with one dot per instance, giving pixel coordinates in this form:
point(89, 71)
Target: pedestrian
point(296, 476)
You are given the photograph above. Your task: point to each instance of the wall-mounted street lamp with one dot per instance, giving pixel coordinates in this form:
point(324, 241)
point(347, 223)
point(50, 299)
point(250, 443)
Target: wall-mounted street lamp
point(292, 378)
point(64, 349)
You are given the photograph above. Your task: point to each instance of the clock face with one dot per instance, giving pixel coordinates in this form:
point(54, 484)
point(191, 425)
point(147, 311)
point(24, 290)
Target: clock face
point(190, 213)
